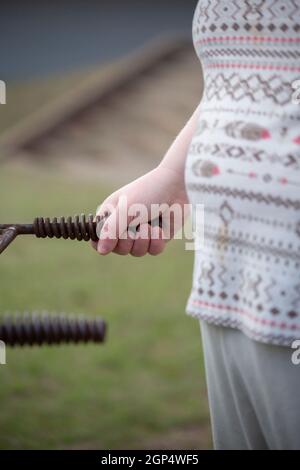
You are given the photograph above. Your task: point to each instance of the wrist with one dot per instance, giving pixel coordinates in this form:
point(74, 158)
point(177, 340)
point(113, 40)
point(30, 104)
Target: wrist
point(174, 179)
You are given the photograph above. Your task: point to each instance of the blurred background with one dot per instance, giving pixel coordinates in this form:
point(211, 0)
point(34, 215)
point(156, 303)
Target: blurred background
point(96, 92)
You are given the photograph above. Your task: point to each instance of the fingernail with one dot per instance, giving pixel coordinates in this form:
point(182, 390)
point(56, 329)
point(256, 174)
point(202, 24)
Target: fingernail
point(102, 249)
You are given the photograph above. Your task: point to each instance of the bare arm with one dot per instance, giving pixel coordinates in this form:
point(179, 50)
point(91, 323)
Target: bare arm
point(176, 155)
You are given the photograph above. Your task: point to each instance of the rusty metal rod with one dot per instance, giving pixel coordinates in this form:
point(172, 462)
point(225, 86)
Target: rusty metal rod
point(52, 329)
point(77, 228)
point(22, 229)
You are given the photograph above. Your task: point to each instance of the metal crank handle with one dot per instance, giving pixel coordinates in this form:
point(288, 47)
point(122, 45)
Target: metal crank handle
point(38, 329)
point(76, 228)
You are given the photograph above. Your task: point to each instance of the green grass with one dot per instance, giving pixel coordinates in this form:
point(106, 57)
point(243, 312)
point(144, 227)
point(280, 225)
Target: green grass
point(146, 381)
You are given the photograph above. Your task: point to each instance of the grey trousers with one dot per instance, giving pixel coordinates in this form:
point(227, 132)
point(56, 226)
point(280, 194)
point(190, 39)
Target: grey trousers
point(253, 391)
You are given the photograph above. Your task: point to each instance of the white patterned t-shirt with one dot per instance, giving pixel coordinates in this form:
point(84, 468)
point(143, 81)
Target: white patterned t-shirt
point(243, 164)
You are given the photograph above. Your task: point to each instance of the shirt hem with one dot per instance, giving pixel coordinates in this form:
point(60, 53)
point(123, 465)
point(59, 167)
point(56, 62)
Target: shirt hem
point(267, 337)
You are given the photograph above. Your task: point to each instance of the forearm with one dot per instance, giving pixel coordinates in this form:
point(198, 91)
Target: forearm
point(175, 157)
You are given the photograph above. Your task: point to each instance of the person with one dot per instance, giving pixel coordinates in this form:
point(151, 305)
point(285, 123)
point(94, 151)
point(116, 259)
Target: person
point(239, 155)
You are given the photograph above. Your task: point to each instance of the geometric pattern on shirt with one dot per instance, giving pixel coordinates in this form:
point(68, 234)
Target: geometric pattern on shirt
point(244, 52)
point(228, 214)
point(249, 10)
point(264, 249)
point(251, 290)
point(209, 169)
point(269, 199)
point(248, 154)
point(254, 87)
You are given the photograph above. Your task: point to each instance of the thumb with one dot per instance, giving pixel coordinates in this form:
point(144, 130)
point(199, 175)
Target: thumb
point(103, 211)
point(114, 227)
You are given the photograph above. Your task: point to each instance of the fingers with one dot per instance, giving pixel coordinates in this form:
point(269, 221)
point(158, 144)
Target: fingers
point(157, 243)
point(147, 240)
point(141, 241)
point(124, 247)
point(116, 237)
point(108, 237)
point(107, 207)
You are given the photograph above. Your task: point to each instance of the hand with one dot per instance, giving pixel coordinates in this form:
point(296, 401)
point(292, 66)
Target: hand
point(160, 186)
